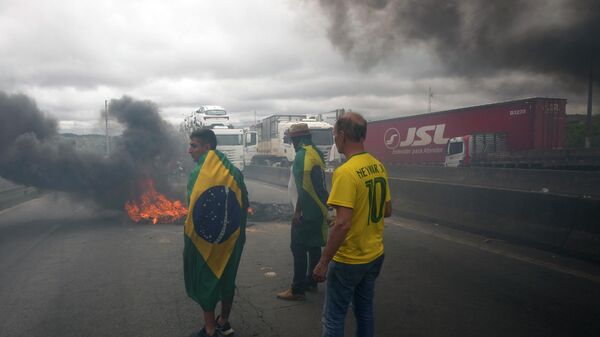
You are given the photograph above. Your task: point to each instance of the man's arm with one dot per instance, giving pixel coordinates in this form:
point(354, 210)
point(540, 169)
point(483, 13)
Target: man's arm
point(337, 235)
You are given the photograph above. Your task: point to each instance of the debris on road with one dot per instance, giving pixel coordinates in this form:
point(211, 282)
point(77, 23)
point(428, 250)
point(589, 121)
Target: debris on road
point(270, 212)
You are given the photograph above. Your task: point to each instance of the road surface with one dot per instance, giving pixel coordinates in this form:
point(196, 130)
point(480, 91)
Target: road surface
point(69, 269)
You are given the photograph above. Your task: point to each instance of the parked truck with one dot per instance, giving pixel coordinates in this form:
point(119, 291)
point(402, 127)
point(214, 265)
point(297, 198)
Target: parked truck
point(525, 125)
point(275, 148)
point(239, 145)
point(491, 150)
point(465, 150)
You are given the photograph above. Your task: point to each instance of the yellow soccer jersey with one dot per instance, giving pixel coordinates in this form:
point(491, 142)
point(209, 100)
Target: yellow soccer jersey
point(361, 184)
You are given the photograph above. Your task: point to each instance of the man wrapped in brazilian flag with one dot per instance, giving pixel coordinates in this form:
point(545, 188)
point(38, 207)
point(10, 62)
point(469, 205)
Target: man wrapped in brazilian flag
point(309, 223)
point(214, 231)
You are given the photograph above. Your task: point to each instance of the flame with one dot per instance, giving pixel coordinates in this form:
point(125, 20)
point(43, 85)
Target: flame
point(154, 206)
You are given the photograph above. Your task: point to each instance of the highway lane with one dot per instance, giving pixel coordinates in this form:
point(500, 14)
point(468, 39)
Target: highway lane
point(69, 269)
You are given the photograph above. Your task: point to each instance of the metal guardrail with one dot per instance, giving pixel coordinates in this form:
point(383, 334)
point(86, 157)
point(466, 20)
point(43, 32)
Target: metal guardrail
point(575, 183)
point(272, 175)
point(581, 184)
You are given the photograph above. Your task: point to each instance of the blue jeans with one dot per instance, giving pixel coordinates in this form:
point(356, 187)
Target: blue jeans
point(350, 283)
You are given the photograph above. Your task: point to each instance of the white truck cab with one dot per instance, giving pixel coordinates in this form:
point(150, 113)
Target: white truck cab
point(456, 151)
point(469, 149)
point(236, 144)
point(275, 148)
point(321, 134)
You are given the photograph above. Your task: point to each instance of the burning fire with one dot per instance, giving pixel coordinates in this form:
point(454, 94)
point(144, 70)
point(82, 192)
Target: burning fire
point(154, 206)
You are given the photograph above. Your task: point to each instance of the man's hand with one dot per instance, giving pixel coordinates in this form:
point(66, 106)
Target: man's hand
point(320, 272)
point(337, 235)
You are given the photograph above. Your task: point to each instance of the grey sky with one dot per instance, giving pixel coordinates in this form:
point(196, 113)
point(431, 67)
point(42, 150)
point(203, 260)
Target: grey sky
point(264, 56)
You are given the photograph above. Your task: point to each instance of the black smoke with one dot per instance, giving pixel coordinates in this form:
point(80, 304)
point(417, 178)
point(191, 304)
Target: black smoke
point(474, 38)
point(31, 153)
point(18, 115)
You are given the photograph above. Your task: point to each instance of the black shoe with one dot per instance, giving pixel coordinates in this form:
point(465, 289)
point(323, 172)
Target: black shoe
point(225, 329)
point(202, 333)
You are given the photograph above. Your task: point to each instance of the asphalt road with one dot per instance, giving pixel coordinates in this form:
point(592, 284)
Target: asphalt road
point(68, 269)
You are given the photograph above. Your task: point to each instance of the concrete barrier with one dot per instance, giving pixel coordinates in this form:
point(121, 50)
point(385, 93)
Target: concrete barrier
point(577, 183)
point(272, 175)
point(552, 221)
point(549, 221)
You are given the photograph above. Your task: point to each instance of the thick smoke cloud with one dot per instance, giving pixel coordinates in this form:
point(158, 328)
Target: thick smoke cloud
point(148, 144)
point(473, 38)
point(31, 153)
point(18, 115)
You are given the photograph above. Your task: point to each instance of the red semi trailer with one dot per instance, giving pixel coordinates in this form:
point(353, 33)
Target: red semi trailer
point(528, 124)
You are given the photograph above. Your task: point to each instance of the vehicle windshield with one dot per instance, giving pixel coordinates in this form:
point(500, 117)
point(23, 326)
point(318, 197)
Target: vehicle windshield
point(322, 136)
point(215, 112)
point(455, 148)
point(229, 140)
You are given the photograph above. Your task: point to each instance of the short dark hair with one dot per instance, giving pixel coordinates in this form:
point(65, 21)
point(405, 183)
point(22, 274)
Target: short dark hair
point(206, 136)
point(353, 125)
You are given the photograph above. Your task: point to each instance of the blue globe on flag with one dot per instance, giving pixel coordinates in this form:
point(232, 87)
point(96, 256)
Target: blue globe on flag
point(216, 214)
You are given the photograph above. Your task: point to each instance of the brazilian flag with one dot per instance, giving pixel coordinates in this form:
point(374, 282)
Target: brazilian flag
point(308, 171)
point(214, 229)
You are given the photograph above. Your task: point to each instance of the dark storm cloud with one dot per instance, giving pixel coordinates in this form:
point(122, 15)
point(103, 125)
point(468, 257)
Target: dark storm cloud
point(470, 37)
point(31, 153)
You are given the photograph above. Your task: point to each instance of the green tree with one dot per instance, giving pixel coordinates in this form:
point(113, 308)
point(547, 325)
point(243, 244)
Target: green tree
point(575, 133)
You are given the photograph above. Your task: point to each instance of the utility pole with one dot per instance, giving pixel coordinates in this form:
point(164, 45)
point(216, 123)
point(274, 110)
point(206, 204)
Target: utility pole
point(106, 123)
point(429, 97)
point(588, 123)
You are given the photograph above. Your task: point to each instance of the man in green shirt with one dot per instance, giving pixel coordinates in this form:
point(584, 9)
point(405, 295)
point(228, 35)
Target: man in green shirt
point(309, 223)
point(215, 231)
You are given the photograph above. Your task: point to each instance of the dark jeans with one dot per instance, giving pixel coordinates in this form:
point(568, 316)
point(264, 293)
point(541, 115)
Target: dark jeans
point(305, 260)
point(350, 283)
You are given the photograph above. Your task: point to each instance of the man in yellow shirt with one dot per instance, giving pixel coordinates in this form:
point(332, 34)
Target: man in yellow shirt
point(353, 256)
